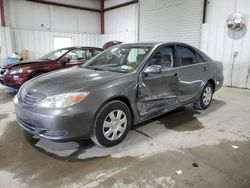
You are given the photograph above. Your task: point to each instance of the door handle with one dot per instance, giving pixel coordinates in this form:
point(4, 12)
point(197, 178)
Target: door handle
point(205, 69)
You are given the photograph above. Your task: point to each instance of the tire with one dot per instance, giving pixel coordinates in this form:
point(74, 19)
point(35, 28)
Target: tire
point(111, 124)
point(205, 98)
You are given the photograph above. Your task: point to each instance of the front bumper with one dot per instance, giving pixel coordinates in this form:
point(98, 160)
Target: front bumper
point(54, 124)
point(14, 81)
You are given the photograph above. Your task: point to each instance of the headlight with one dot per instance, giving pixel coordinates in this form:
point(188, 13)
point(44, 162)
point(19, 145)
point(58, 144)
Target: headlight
point(63, 100)
point(18, 70)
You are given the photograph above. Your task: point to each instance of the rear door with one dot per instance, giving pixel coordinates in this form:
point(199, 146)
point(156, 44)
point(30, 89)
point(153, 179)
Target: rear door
point(193, 73)
point(159, 91)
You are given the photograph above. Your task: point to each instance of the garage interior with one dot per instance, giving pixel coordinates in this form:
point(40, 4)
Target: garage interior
point(182, 148)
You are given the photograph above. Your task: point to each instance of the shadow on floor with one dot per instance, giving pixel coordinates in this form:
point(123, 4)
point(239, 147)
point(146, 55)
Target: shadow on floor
point(6, 96)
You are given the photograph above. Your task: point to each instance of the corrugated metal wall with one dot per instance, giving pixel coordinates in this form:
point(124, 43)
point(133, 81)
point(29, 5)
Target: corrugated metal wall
point(171, 20)
point(231, 48)
point(5, 43)
point(124, 37)
point(22, 14)
point(126, 17)
point(39, 43)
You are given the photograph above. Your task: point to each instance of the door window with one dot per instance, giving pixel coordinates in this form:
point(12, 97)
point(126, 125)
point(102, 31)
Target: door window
point(186, 56)
point(135, 55)
point(163, 58)
point(77, 55)
point(92, 53)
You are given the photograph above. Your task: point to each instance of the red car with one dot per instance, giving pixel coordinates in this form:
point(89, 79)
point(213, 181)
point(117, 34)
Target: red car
point(14, 75)
point(111, 43)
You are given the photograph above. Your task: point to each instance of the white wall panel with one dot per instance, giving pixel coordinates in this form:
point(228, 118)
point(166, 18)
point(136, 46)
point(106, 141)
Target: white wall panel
point(39, 43)
point(5, 43)
point(171, 20)
point(126, 37)
point(124, 19)
point(21, 14)
point(221, 44)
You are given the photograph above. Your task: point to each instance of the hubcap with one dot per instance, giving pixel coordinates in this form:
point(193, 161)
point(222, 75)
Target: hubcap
point(114, 125)
point(207, 96)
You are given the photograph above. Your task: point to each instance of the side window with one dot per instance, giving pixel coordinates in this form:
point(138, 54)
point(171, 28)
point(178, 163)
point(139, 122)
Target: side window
point(200, 59)
point(77, 55)
point(185, 56)
point(164, 58)
point(135, 55)
point(92, 53)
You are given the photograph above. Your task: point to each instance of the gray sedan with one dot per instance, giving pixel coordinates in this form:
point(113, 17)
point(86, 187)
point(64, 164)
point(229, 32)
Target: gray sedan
point(119, 88)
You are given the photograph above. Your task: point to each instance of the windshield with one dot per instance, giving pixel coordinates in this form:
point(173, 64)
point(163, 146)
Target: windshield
point(54, 55)
point(118, 59)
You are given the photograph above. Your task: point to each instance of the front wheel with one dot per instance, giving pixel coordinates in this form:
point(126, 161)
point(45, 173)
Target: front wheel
point(205, 98)
point(111, 124)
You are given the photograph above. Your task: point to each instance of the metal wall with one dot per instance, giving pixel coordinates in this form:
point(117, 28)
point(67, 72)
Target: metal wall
point(39, 43)
point(22, 14)
point(128, 37)
point(231, 48)
point(124, 19)
point(171, 20)
point(5, 43)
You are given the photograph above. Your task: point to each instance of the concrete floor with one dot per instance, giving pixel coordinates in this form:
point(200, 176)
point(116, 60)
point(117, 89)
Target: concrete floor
point(149, 157)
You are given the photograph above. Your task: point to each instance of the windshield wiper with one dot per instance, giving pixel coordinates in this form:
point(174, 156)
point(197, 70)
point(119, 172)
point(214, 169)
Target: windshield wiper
point(93, 68)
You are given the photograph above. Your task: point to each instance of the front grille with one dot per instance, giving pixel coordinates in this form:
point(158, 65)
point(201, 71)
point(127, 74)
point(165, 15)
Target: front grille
point(31, 98)
point(2, 71)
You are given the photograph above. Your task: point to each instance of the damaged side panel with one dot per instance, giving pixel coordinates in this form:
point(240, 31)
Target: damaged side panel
point(157, 92)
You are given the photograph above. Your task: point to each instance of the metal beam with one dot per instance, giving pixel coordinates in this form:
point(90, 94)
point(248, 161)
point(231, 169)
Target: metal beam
point(65, 5)
point(204, 11)
point(102, 17)
point(2, 13)
point(121, 5)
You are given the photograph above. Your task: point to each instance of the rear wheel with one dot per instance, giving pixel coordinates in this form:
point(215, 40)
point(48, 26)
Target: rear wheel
point(205, 98)
point(112, 124)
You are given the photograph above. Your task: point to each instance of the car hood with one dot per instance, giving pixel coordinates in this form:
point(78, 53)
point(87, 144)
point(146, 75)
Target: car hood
point(23, 63)
point(74, 79)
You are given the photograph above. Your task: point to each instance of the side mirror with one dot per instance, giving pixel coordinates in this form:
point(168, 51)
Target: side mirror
point(153, 69)
point(65, 60)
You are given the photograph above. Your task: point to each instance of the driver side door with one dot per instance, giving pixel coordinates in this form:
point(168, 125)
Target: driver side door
point(159, 90)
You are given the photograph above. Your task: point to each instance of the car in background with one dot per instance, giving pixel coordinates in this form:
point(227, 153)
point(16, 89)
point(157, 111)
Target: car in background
point(14, 75)
point(121, 87)
point(111, 43)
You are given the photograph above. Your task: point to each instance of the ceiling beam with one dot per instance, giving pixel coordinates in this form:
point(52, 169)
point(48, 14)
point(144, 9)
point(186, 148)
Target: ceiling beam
point(121, 5)
point(102, 17)
point(65, 5)
point(2, 13)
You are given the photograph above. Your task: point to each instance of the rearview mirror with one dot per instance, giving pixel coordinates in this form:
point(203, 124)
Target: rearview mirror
point(153, 69)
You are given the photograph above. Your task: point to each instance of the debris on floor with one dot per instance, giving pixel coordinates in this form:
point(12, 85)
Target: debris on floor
point(178, 172)
point(195, 165)
point(235, 147)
